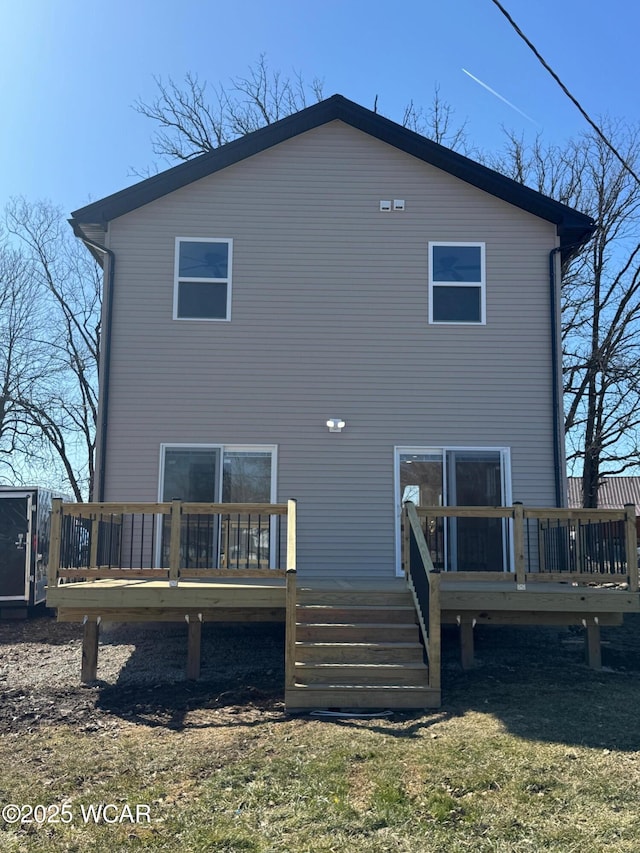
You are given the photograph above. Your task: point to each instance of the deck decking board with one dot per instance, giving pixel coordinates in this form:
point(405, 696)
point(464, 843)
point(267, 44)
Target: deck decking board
point(325, 668)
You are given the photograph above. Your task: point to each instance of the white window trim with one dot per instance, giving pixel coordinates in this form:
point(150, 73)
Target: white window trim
point(505, 459)
point(481, 284)
point(177, 278)
point(248, 448)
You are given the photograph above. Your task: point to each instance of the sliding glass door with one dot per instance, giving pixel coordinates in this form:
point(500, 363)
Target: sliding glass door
point(475, 479)
point(221, 474)
point(459, 477)
point(245, 537)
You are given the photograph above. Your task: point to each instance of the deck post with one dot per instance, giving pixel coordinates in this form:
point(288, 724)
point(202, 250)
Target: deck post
point(174, 546)
point(631, 542)
point(290, 617)
point(292, 521)
point(518, 543)
point(194, 642)
point(466, 641)
point(54, 542)
point(592, 641)
point(290, 632)
point(406, 543)
point(89, 670)
point(435, 631)
point(95, 528)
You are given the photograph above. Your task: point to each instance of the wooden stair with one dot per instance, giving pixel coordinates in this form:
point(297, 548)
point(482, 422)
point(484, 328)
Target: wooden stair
point(358, 648)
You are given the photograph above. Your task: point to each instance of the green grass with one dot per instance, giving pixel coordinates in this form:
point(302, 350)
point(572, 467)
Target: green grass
point(527, 754)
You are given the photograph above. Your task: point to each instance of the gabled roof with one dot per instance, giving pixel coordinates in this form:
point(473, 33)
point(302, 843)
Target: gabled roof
point(573, 227)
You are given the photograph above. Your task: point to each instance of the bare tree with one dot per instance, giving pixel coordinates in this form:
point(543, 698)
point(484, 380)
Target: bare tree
point(437, 123)
point(194, 118)
point(600, 296)
point(24, 361)
point(61, 406)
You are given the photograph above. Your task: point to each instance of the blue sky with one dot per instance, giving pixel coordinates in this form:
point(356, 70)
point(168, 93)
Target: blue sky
point(70, 71)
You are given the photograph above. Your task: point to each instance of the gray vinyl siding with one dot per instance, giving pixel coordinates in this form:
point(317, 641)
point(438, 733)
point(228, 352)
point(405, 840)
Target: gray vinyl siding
point(329, 319)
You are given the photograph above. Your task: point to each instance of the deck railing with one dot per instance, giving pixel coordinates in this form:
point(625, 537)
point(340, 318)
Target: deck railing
point(171, 540)
point(531, 544)
point(424, 582)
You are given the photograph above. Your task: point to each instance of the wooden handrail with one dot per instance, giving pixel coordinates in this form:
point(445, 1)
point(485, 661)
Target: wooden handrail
point(234, 509)
point(463, 511)
point(584, 515)
point(559, 513)
point(89, 510)
point(414, 521)
point(431, 630)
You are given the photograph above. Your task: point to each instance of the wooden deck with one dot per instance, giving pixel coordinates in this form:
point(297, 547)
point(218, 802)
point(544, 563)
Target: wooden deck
point(479, 597)
point(150, 600)
point(467, 603)
point(349, 642)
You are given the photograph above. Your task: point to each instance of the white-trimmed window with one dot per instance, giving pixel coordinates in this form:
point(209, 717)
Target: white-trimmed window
point(458, 476)
point(216, 473)
point(202, 284)
point(457, 283)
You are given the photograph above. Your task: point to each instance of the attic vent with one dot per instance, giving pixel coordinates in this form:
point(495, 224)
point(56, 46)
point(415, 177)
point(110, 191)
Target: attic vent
point(385, 205)
point(398, 204)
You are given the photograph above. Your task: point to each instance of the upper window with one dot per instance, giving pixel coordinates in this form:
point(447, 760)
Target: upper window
point(202, 287)
point(456, 283)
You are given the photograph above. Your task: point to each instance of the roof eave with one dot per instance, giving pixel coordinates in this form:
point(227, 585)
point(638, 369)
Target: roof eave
point(573, 227)
point(90, 233)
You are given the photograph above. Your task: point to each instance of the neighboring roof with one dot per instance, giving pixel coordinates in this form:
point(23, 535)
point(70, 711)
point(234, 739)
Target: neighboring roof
point(613, 493)
point(573, 227)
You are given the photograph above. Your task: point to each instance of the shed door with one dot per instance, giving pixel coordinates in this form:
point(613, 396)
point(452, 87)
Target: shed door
point(15, 549)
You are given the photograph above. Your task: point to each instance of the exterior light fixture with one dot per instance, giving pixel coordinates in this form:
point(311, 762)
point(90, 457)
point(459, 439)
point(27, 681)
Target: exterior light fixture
point(336, 424)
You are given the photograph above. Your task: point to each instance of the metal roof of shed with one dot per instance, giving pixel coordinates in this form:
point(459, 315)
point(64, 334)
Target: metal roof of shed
point(614, 492)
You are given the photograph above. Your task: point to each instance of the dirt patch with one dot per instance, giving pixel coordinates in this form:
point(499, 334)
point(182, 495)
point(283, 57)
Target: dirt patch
point(141, 674)
point(141, 671)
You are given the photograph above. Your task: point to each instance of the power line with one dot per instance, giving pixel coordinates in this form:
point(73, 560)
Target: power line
point(564, 89)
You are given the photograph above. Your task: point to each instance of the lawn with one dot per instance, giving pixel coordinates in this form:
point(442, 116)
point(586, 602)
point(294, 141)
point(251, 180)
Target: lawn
point(531, 751)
